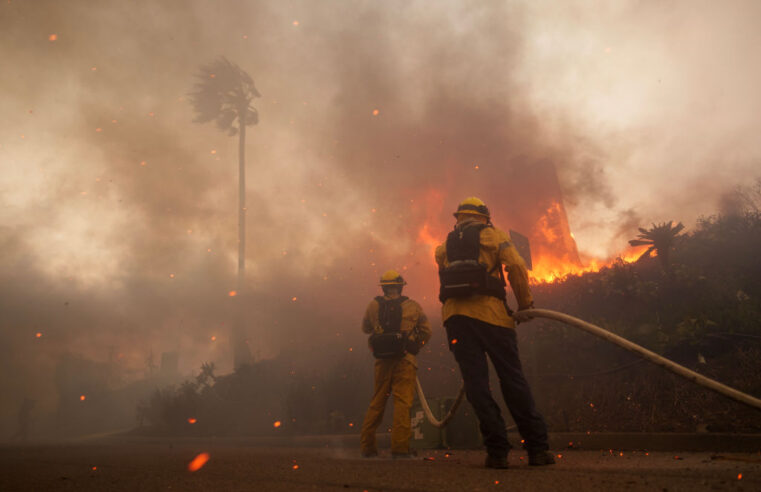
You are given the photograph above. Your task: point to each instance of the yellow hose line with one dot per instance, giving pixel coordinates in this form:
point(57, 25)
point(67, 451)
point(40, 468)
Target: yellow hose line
point(427, 410)
point(647, 354)
point(615, 339)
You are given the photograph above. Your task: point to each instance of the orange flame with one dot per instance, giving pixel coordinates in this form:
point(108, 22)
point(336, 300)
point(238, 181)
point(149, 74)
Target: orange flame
point(198, 462)
point(191, 420)
point(554, 253)
point(277, 424)
point(82, 398)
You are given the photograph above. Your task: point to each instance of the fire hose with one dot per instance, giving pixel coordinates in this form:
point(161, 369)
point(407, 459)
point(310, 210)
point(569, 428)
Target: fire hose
point(617, 340)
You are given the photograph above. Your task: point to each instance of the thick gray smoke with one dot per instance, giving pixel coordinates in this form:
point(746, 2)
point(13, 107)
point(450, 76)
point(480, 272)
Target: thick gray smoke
point(118, 220)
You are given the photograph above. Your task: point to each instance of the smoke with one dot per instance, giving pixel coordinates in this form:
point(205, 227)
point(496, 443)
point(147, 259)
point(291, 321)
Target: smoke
point(119, 214)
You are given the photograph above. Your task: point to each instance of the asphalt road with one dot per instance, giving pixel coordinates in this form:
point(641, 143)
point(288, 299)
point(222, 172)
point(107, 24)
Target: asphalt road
point(162, 464)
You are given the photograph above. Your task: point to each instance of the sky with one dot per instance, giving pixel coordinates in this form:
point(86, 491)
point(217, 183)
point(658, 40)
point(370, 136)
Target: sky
point(118, 213)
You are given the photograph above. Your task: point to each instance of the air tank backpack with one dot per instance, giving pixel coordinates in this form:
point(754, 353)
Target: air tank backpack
point(391, 343)
point(465, 275)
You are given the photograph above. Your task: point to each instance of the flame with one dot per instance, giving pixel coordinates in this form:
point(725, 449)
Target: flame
point(232, 293)
point(198, 462)
point(276, 424)
point(38, 335)
point(191, 420)
point(554, 252)
point(53, 37)
point(82, 397)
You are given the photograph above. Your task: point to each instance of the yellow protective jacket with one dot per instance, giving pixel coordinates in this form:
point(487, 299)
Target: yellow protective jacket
point(496, 246)
point(412, 317)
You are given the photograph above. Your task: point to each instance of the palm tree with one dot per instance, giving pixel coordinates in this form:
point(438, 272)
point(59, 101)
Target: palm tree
point(223, 94)
point(660, 238)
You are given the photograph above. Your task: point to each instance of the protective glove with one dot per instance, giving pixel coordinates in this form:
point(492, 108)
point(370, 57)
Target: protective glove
point(522, 316)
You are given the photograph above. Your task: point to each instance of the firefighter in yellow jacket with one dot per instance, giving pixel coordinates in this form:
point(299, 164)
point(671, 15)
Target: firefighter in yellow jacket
point(398, 328)
point(479, 323)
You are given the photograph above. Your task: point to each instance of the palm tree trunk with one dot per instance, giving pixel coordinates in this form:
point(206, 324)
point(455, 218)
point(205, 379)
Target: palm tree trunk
point(241, 205)
point(241, 351)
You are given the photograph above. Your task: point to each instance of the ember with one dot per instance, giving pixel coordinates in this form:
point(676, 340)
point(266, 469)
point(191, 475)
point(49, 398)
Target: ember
point(38, 335)
point(53, 37)
point(198, 462)
point(82, 398)
point(191, 420)
point(276, 424)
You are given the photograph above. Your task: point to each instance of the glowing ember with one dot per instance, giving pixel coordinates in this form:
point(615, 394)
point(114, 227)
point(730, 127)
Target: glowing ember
point(198, 462)
point(560, 456)
point(213, 338)
point(82, 398)
point(171, 275)
point(293, 299)
point(351, 424)
point(454, 340)
point(38, 335)
point(375, 112)
point(191, 420)
point(277, 424)
point(94, 468)
point(351, 349)
point(295, 467)
point(53, 37)
point(496, 482)
point(232, 293)
point(739, 476)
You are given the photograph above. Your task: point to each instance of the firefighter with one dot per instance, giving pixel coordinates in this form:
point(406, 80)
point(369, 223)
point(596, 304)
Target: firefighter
point(398, 329)
point(478, 323)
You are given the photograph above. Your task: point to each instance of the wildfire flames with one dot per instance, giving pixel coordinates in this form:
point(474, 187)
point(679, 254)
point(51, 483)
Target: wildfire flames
point(553, 247)
point(554, 252)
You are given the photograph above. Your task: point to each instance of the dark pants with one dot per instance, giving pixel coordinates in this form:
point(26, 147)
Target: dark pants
point(474, 340)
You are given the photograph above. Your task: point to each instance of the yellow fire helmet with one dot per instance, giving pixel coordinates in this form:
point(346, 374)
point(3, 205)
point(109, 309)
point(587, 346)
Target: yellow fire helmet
point(474, 206)
point(392, 277)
